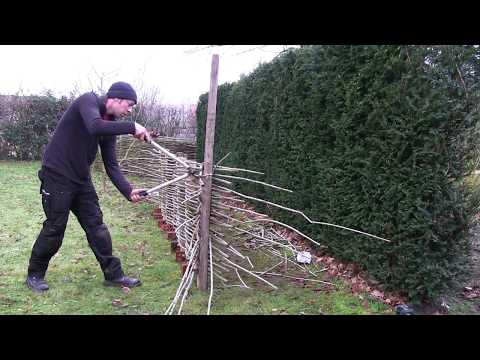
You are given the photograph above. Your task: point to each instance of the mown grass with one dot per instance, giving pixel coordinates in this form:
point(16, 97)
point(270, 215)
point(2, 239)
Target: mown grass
point(75, 278)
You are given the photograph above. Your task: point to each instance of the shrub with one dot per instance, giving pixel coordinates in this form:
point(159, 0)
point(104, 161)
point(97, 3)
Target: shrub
point(31, 124)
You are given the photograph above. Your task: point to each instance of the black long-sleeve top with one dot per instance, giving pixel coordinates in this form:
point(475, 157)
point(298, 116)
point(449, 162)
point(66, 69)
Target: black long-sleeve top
point(80, 131)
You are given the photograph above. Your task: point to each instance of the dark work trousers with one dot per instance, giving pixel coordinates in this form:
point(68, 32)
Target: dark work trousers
point(59, 196)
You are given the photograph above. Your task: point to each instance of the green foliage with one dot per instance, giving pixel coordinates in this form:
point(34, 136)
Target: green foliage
point(377, 138)
point(31, 125)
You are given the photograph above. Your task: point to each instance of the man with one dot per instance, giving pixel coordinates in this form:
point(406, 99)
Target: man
point(66, 183)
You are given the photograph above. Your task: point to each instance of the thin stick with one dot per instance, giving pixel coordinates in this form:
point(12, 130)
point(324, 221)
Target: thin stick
point(251, 273)
point(218, 163)
point(248, 259)
point(186, 292)
point(298, 278)
point(226, 168)
point(220, 277)
point(241, 280)
point(305, 216)
point(243, 210)
point(254, 181)
point(211, 278)
point(273, 267)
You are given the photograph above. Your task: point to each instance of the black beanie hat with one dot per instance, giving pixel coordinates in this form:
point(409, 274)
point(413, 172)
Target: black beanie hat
point(122, 90)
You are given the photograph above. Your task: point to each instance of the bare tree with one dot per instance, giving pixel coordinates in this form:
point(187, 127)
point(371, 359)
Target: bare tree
point(101, 80)
point(239, 49)
point(173, 121)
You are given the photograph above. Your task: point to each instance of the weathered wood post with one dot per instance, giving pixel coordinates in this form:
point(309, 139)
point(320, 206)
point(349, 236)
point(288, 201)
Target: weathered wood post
point(205, 196)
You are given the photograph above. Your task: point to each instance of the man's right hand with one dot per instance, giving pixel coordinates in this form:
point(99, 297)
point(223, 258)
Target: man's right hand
point(141, 133)
point(135, 195)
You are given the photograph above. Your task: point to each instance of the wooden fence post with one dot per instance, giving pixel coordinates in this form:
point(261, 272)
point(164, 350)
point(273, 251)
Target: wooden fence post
point(205, 197)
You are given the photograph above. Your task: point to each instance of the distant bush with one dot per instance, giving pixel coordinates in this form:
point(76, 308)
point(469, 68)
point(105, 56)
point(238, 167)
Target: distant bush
point(30, 124)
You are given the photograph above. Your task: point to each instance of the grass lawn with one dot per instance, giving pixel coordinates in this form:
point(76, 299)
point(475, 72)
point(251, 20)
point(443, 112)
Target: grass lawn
point(75, 278)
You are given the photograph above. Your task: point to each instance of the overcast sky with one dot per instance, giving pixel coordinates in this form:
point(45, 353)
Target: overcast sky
point(179, 73)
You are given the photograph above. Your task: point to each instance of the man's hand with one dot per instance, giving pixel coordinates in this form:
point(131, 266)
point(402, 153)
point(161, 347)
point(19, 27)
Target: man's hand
point(135, 197)
point(141, 133)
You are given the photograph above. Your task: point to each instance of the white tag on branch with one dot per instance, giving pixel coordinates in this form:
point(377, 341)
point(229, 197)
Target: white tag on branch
point(304, 257)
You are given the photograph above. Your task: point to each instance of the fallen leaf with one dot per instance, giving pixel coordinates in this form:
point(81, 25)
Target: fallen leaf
point(471, 296)
point(363, 288)
point(119, 303)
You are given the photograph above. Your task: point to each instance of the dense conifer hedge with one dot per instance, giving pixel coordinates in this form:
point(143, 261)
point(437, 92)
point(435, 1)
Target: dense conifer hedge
point(377, 138)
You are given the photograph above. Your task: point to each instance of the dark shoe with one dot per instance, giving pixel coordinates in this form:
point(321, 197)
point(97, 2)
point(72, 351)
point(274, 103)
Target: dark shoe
point(123, 281)
point(37, 284)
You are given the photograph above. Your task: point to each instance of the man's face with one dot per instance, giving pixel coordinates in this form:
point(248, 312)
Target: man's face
point(121, 107)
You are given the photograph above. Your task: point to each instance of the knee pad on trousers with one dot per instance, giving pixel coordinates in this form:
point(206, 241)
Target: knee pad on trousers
point(91, 223)
point(49, 241)
point(51, 229)
point(99, 231)
point(99, 238)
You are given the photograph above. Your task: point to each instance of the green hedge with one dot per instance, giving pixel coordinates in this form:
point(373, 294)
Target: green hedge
point(30, 126)
point(377, 138)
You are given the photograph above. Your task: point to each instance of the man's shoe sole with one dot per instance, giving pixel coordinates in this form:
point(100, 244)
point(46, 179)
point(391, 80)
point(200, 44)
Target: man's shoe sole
point(114, 284)
point(38, 291)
